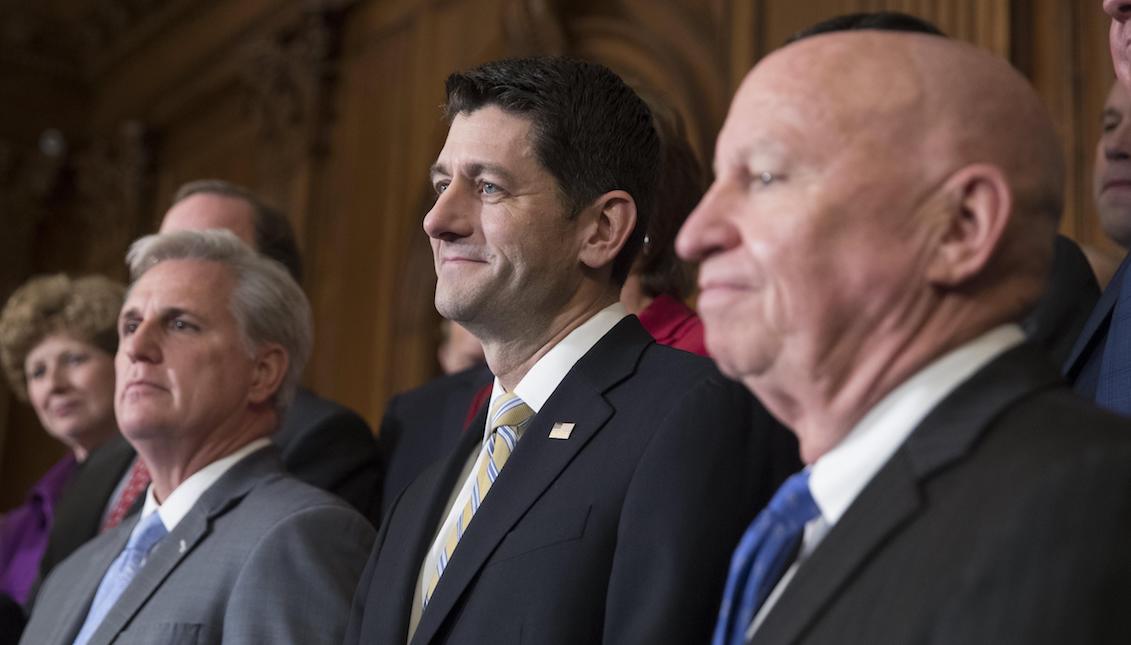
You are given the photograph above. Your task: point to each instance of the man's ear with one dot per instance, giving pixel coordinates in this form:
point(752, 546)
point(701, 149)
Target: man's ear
point(978, 204)
point(613, 219)
point(270, 368)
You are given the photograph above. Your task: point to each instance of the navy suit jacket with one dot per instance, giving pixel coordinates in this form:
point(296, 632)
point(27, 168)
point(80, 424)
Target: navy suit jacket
point(425, 424)
point(1082, 368)
point(621, 533)
point(1002, 519)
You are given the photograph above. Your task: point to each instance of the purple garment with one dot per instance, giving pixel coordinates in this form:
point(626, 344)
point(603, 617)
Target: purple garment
point(24, 531)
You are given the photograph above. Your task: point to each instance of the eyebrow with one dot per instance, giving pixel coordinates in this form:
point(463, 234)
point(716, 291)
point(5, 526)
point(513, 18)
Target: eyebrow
point(474, 169)
point(1112, 112)
point(164, 314)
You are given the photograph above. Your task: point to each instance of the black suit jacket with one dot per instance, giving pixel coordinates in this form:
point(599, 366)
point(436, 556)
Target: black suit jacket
point(1002, 519)
point(425, 424)
point(1082, 368)
point(331, 447)
point(78, 514)
point(621, 533)
point(320, 442)
point(1069, 298)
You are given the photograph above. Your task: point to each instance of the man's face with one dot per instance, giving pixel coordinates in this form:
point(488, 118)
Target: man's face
point(506, 253)
point(1112, 177)
point(183, 368)
point(208, 210)
point(1120, 38)
point(804, 236)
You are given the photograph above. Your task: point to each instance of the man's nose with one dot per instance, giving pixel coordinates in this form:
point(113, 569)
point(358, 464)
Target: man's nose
point(453, 213)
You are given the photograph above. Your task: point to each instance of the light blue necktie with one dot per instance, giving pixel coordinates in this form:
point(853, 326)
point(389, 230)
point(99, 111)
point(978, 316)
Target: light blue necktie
point(147, 533)
point(762, 556)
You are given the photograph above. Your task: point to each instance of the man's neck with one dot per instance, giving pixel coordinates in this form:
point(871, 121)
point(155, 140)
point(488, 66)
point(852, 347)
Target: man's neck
point(510, 359)
point(171, 463)
point(823, 402)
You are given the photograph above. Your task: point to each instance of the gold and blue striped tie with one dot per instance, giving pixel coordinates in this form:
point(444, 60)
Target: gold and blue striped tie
point(509, 417)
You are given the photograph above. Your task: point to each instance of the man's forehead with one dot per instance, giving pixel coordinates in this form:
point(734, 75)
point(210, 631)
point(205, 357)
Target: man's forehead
point(486, 135)
point(818, 91)
point(201, 211)
point(181, 284)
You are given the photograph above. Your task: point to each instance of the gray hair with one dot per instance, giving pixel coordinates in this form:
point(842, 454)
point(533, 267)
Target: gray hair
point(267, 303)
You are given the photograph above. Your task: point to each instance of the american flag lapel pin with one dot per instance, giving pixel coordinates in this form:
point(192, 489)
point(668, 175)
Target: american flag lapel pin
point(561, 430)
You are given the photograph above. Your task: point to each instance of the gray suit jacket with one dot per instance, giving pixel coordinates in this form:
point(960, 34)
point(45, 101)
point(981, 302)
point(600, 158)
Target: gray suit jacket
point(260, 558)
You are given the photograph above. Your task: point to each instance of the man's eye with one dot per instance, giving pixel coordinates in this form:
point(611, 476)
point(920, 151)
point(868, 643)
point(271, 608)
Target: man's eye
point(129, 327)
point(181, 325)
point(765, 178)
point(1108, 126)
point(37, 373)
point(489, 189)
point(440, 186)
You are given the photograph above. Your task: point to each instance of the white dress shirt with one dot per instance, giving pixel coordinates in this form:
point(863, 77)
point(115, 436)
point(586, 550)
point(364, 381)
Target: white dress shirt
point(838, 476)
point(183, 497)
point(534, 389)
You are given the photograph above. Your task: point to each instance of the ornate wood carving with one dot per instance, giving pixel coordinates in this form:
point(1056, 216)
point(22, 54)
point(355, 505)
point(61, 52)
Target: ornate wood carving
point(114, 182)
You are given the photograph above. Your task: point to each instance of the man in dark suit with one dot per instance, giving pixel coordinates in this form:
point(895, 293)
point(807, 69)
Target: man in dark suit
point(424, 424)
point(874, 231)
point(228, 547)
point(321, 442)
point(1099, 362)
point(597, 496)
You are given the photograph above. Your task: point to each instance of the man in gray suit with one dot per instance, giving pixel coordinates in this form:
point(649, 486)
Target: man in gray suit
point(228, 547)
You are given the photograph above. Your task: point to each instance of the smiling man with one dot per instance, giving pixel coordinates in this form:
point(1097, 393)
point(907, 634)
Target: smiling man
point(228, 547)
point(873, 234)
point(597, 497)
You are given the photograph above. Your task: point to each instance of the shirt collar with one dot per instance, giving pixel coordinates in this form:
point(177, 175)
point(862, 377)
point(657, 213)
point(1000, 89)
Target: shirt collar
point(544, 377)
point(183, 497)
point(840, 474)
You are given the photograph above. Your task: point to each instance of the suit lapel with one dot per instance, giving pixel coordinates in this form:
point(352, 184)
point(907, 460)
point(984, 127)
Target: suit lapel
point(1100, 316)
point(893, 498)
point(411, 545)
point(168, 554)
point(538, 461)
point(73, 614)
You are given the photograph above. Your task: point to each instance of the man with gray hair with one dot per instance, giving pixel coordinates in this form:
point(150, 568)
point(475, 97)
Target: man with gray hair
point(228, 547)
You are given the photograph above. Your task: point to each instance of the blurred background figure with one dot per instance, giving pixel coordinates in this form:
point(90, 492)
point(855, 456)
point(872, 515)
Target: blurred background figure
point(1111, 182)
point(659, 281)
point(57, 341)
point(459, 350)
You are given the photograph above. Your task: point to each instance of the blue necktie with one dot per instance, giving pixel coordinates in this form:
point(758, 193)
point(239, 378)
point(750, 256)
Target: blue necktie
point(1114, 388)
point(762, 556)
point(146, 534)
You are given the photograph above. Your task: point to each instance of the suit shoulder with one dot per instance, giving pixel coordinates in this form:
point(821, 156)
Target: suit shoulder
point(425, 396)
point(283, 494)
point(1060, 420)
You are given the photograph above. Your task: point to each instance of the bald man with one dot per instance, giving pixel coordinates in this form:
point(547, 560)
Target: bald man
point(874, 232)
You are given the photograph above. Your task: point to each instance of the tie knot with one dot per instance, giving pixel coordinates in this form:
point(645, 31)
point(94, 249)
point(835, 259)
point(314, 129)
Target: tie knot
point(149, 531)
point(793, 503)
point(509, 410)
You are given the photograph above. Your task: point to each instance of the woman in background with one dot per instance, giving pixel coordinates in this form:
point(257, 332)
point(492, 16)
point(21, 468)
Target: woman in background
point(58, 338)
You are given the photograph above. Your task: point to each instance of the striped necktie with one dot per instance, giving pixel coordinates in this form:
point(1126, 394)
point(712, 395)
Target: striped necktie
point(509, 417)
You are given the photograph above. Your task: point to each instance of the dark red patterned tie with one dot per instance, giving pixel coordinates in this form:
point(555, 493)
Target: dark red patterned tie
point(136, 483)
